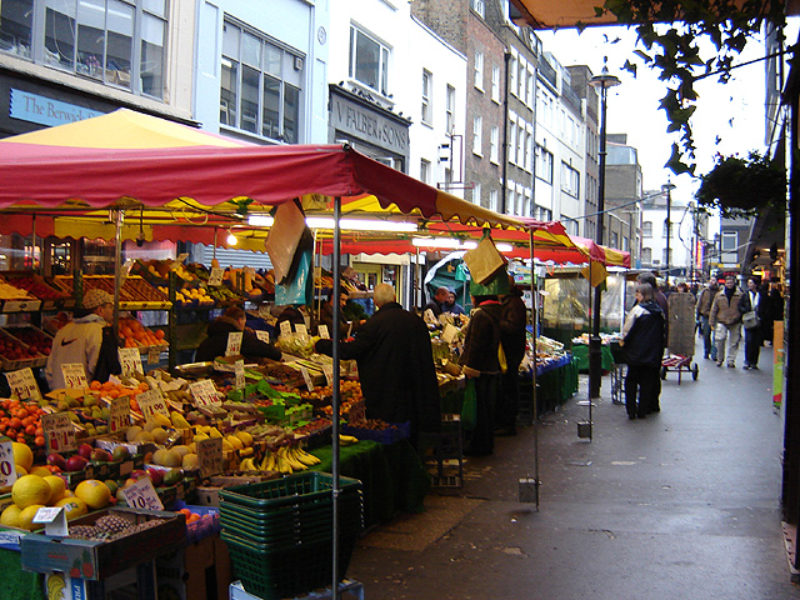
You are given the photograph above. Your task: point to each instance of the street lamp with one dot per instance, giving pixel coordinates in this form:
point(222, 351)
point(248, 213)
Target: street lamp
point(603, 81)
point(667, 189)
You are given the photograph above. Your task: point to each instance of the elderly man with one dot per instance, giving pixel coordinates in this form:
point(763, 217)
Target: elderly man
point(395, 365)
point(726, 321)
point(438, 301)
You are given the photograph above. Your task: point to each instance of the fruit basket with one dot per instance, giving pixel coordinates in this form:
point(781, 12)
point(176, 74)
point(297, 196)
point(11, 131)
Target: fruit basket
point(15, 354)
point(36, 285)
point(135, 293)
point(37, 340)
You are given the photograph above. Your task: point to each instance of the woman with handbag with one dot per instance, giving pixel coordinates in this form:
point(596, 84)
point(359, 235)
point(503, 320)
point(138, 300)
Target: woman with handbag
point(752, 306)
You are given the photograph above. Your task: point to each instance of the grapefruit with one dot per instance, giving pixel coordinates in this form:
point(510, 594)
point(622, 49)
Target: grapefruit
point(10, 516)
point(73, 507)
point(94, 493)
point(26, 517)
point(57, 488)
point(30, 490)
point(23, 455)
point(40, 470)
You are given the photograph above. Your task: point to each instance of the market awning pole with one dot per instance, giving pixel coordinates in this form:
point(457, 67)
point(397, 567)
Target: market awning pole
point(337, 209)
point(33, 246)
point(417, 282)
point(119, 218)
point(533, 377)
point(316, 301)
point(214, 251)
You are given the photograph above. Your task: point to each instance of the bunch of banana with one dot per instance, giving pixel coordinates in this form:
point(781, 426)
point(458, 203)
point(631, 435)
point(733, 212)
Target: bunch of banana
point(346, 440)
point(288, 459)
point(248, 464)
point(55, 586)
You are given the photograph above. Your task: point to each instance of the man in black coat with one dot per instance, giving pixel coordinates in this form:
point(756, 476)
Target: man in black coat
point(512, 334)
point(395, 365)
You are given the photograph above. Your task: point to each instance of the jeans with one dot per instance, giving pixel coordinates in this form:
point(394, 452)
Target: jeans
point(731, 333)
point(709, 348)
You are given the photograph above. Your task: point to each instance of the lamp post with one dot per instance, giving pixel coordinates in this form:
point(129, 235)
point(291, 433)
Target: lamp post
point(667, 189)
point(602, 82)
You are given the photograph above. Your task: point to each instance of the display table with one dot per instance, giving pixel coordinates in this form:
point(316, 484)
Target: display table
point(581, 354)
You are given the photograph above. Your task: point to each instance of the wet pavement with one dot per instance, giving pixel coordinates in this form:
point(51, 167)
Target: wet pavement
point(682, 504)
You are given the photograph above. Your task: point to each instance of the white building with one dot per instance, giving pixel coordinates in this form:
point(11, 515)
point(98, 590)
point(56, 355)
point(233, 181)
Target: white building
point(654, 234)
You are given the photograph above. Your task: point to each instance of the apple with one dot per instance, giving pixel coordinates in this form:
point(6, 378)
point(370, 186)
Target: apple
point(57, 460)
point(120, 453)
point(137, 474)
point(76, 463)
point(156, 476)
point(100, 455)
point(85, 450)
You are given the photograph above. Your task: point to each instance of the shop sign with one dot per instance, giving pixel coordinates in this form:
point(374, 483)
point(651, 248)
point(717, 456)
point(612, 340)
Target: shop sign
point(35, 108)
point(368, 125)
point(23, 384)
point(59, 432)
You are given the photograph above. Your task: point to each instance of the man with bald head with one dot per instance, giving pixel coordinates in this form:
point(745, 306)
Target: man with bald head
point(438, 301)
point(395, 365)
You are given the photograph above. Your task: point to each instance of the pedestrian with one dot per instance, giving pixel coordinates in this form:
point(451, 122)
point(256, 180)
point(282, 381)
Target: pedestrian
point(643, 345)
point(512, 334)
point(650, 277)
point(703, 311)
point(753, 300)
point(726, 321)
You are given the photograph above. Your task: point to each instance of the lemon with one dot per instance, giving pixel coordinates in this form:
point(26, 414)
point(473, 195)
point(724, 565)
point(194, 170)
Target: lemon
point(57, 488)
point(23, 455)
point(29, 490)
point(94, 493)
point(73, 507)
point(26, 516)
point(10, 516)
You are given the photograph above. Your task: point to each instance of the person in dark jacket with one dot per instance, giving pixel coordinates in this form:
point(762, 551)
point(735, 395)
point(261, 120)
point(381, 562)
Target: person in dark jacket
point(480, 362)
point(661, 300)
point(437, 302)
point(232, 321)
point(753, 299)
point(326, 315)
point(643, 344)
point(451, 306)
point(395, 365)
point(512, 334)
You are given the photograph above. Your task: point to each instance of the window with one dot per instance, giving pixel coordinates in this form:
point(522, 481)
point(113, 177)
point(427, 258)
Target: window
point(667, 260)
point(494, 143)
point(647, 255)
point(544, 164)
point(614, 239)
point(261, 85)
point(478, 75)
point(520, 158)
point(427, 92)
point(512, 75)
point(450, 109)
point(425, 171)
point(496, 84)
point(570, 180)
point(667, 232)
point(522, 80)
point(647, 229)
point(528, 148)
point(369, 61)
point(477, 135)
point(729, 241)
point(16, 24)
point(476, 193)
point(479, 7)
point(512, 141)
point(529, 90)
point(493, 203)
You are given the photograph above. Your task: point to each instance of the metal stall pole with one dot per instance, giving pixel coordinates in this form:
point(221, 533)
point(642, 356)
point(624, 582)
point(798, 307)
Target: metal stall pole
point(337, 209)
point(214, 250)
point(526, 486)
point(119, 217)
point(33, 247)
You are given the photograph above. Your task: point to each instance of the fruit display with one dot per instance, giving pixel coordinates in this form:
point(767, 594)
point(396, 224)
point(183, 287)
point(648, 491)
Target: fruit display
point(15, 354)
point(134, 293)
point(36, 286)
point(12, 292)
point(38, 341)
point(22, 422)
point(135, 335)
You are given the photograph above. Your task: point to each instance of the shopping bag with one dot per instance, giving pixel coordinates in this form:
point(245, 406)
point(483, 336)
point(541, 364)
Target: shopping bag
point(484, 261)
point(469, 409)
point(750, 320)
point(299, 289)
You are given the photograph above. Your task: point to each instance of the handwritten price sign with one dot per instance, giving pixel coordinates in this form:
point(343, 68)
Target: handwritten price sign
point(239, 373)
point(323, 332)
point(328, 372)
point(307, 379)
point(204, 392)
point(209, 455)
point(215, 278)
point(131, 361)
point(301, 330)
point(262, 335)
point(59, 433)
point(234, 346)
point(23, 384)
point(286, 328)
point(8, 471)
point(152, 402)
point(74, 376)
point(143, 495)
point(120, 414)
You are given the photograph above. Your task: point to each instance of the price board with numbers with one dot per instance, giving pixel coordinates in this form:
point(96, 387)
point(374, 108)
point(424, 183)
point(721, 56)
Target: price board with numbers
point(238, 369)
point(131, 361)
point(152, 402)
point(8, 471)
point(234, 345)
point(59, 432)
point(23, 384)
point(301, 329)
point(215, 278)
point(286, 327)
point(323, 332)
point(74, 375)
point(142, 495)
point(120, 414)
point(262, 335)
point(204, 392)
point(209, 455)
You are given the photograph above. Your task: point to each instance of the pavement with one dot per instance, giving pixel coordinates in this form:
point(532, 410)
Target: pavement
point(682, 504)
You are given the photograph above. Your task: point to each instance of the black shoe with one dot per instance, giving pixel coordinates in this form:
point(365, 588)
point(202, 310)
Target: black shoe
point(631, 416)
point(754, 367)
point(719, 363)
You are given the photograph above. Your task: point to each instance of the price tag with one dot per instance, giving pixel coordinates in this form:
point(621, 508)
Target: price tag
point(307, 379)
point(59, 432)
point(209, 455)
point(204, 392)
point(153, 355)
point(215, 278)
point(323, 332)
point(131, 361)
point(450, 333)
point(286, 327)
point(8, 471)
point(234, 346)
point(54, 519)
point(142, 494)
point(328, 371)
point(152, 402)
point(238, 367)
point(74, 376)
point(120, 414)
point(262, 335)
point(301, 329)
point(23, 384)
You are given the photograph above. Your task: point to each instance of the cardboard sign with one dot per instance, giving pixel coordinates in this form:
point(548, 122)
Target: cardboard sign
point(450, 333)
point(152, 402)
point(143, 495)
point(301, 329)
point(8, 471)
point(262, 335)
point(54, 519)
point(286, 327)
point(307, 379)
point(204, 392)
point(234, 345)
point(120, 414)
point(23, 384)
point(323, 332)
point(125, 270)
point(327, 370)
point(239, 374)
point(59, 432)
point(209, 455)
point(74, 376)
point(215, 278)
point(131, 361)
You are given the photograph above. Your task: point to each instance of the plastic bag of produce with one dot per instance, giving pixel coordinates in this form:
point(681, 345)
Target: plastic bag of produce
point(296, 344)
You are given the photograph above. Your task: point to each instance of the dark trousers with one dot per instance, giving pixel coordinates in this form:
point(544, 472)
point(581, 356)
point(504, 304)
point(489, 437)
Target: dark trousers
point(508, 401)
point(752, 345)
point(642, 381)
point(487, 388)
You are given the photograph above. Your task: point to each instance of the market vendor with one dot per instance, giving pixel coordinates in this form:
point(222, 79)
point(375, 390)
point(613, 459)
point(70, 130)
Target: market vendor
point(326, 315)
point(231, 321)
point(451, 306)
point(436, 303)
point(395, 365)
point(87, 340)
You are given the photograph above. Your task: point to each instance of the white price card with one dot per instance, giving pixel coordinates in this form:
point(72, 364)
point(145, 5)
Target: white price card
point(143, 495)
point(328, 371)
point(54, 519)
point(286, 327)
point(215, 278)
point(209, 455)
point(449, 333)
point(131, 361)
point(23, 384)
point(262, 335)
point(152, 402)
point(238, 369)
point(323, 332)
point(301, 329)
point(8, 471)
point(234, 345)
point(307, 379)
point(120, 414)
point(59, 432)
point(204, 392)
point(74, 375)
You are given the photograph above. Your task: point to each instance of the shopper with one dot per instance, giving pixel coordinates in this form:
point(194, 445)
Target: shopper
point(650, 278)
point(438, 300)
point(726, 321)
point(326, 315)
point(87, 340)
point(513, 319)
point(395, 365)
point(703, 311)
point(451, 306)
point(753, 300)
point(232, 321)
point(643, 346)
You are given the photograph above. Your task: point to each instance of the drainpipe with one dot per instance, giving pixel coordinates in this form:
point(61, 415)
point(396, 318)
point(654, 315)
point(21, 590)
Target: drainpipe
point(507, 60)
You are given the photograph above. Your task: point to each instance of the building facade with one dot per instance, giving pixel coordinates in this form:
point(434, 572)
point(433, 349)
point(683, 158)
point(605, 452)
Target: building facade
point(580, 75)
point(623, 196)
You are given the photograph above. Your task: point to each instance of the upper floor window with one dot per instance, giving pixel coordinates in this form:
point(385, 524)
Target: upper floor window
point(479, 7)
point(425, 171)
point(477, 135)
point(476, 193)
point(369, 61)
point(494, 144)
point(512, 74)
point(116, 42)
point(729, 241)
point(647, 255)
point(647, 229)
point(478, 74)
point(496, 84)
point(261, 85)
point(544, 164)
point(614, 239)
point(493, 203)
point(450, 109)
point(427, 93)
point(570, 180)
